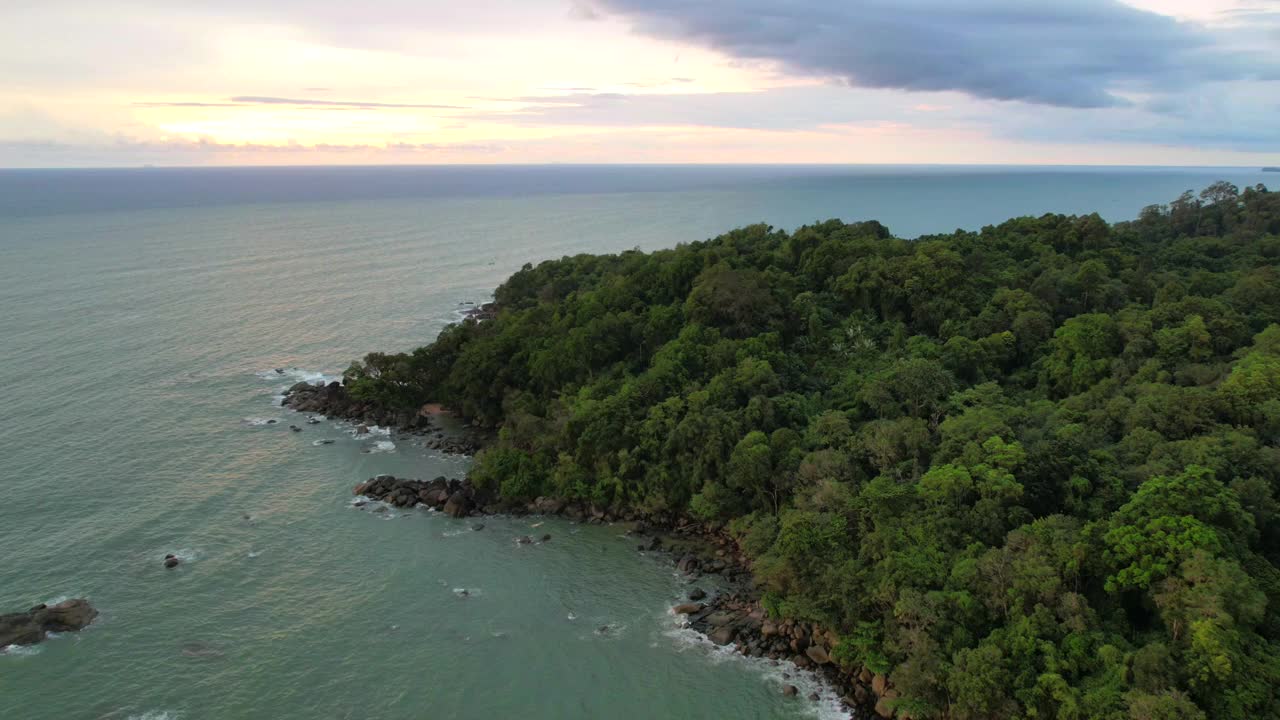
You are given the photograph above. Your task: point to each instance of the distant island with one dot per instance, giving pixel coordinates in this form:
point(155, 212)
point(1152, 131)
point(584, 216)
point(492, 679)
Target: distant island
point(1030, 471)
point(1271, 169)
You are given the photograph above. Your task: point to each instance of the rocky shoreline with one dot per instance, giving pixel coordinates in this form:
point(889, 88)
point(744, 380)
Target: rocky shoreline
point(732, 617)
point(334, 401)
point(736, 617)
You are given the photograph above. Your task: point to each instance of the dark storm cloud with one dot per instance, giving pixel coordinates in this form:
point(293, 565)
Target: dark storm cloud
point(1078, 54)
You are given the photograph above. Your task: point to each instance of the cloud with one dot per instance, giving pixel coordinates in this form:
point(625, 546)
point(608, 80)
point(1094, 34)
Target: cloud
point(1083, 54)
point(186, 104)
point(132, 147)
point(251, 100)
point(306, 102)
point(776, 109)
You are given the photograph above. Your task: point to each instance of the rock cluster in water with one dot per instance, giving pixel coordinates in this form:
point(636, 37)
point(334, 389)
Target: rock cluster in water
point(454, 497)
point(34, 625)
point(333, 400)
point(480, 313)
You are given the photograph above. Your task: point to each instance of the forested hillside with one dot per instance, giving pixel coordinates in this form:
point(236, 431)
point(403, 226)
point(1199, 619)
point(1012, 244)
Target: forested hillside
point(1031, 471)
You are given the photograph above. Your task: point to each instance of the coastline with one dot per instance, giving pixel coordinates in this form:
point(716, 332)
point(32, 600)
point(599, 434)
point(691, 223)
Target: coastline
point(732, 618)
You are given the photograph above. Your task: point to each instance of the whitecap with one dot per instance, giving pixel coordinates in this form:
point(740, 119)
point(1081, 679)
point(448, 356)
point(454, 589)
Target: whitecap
point(827, 707)
point(296, 375)
point(259, 421)
point(185, 554)
point(254, 553)
point(155, 715)
point(19, 651)
point(466, 592)
point(383, 446)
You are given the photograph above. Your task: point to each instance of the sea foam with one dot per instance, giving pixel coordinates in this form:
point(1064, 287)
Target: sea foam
point(297, 375)
point(19, 651)
point(779, 673)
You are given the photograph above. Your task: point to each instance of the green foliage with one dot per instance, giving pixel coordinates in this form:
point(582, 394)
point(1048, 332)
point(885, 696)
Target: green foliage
point(1027, 472)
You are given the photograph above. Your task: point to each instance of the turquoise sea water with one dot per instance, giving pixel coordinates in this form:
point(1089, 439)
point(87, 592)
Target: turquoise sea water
point(142, 315)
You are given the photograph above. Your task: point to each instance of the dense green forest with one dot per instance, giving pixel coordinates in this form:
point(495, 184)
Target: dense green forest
point(1027, 472)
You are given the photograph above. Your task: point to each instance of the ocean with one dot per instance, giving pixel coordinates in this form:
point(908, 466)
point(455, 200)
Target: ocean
point(143, 316)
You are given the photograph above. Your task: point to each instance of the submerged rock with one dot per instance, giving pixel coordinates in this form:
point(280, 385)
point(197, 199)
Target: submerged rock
point(697, 594)
point(31, 627)
point(200, 650)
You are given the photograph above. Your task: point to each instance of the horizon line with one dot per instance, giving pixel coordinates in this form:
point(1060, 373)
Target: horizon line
point(329, 166)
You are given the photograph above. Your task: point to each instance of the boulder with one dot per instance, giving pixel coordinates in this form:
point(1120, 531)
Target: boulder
point(32, 626)
point(818, 654)
point(688, 608)
point(687, 564)
point(171, 561)
point(720, 618)
point(879, 683)
point(722, 635)
point(790, 690)
point(814, 697)
point(548, 506)
point(883, 709)
point(546, 538)
point(458, 505)
point(697, 594)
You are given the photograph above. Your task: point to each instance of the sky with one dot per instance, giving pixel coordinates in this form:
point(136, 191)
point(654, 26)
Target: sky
point(86, 83)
